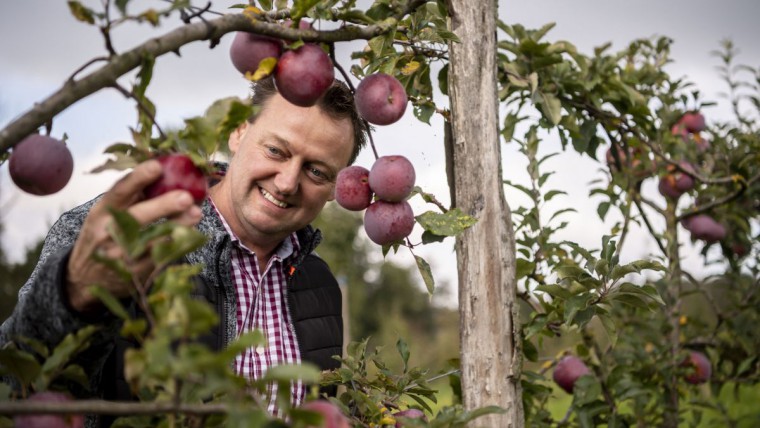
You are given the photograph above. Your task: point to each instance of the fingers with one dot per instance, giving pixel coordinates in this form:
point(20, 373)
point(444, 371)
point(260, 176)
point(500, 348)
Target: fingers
point(174, 204)
point(128, 189)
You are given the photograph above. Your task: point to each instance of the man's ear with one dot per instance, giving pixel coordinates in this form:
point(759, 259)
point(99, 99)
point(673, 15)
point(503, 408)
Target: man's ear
point(236, 137)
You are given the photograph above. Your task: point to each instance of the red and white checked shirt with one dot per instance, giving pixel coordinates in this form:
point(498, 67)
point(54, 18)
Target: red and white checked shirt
point(262, 304)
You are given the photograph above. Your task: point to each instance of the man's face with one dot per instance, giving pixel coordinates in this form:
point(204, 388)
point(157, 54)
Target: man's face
point(282, 171)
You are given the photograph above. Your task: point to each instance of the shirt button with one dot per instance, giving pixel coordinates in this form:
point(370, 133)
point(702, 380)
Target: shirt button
point(259, 350)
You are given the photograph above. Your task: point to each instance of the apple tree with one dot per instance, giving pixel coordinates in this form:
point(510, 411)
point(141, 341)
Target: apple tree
point(403, 40)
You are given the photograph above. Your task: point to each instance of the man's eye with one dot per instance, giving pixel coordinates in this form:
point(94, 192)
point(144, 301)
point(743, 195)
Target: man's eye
point(274, 151)
point(318, 174)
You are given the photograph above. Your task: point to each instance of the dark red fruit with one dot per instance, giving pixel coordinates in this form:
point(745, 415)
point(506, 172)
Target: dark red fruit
point(248, 50)
point(303, 75)
point(392, 178)
point(699, 368)
point(676, 183)
point(381, 99)
point(388, 222)
point(352, 190)
point(331, 414)
point(409, 413)
point(49, 421)
point(693, 121)
point(179, 173)
point(567, 372)
point(704, 227)
point(40, 165)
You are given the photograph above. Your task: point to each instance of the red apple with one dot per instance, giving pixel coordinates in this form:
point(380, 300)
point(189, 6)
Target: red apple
point(380, 99)
point(49, 421)
point(676, 183)
point(408, 413)
point(249, 49)
point(693, 121)
point(392, 178)
point(567, 372)
point(388, 222)
point(331, 414)
point(40, 165)
point(179, 173)
point(704, 227)
point(699, 368)
point(303, 75)
point(352, 190)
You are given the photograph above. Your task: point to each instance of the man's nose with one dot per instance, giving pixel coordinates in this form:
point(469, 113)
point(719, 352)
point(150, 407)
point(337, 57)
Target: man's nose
point(287, 179)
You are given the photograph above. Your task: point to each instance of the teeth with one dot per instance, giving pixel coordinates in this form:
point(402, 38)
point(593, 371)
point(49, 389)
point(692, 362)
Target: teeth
point(268, 196)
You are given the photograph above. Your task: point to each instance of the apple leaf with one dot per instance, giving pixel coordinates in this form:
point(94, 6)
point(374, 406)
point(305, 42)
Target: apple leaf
point(81, 13)
point(550, 107)
point(403, 351)
point(288, 372)
point(20, 364)
point(427, 274)
point(109, 301)
point(450, 223)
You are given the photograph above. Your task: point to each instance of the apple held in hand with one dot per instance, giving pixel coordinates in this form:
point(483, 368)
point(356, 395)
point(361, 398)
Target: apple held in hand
point(388, 222)
point(699, 368)
point(392, 178)
point(567, 372)
point(352, 190)
point(331, 414)
point(40, 165)
point(380, 99)
point(303, 75)
point(49, 421)
point(179, 173)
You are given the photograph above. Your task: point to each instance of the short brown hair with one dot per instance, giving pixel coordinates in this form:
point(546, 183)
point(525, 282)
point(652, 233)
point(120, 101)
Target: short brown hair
point(337, 102)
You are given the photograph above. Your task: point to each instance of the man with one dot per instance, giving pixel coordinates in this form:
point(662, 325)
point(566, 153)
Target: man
point(260, 270)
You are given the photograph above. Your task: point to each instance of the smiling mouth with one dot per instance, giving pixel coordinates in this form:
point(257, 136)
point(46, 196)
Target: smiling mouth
point(269, 197)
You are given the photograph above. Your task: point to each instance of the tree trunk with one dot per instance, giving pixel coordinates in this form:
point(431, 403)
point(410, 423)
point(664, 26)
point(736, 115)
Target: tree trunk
point(489, 329)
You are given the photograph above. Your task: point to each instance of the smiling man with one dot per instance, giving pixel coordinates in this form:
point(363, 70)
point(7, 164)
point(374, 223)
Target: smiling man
point(260, 270)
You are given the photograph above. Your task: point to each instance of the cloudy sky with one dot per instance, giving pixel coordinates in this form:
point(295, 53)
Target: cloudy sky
point(41, 45)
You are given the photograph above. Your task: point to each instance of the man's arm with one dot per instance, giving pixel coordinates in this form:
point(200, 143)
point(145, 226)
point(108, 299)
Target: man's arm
point(55, 301)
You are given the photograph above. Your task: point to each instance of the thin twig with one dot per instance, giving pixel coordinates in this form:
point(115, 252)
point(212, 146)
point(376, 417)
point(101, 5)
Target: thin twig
point(141, 105)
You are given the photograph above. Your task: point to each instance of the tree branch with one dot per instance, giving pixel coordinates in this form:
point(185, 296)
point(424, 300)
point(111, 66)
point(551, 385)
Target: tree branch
point(103, 407)
point(75, 90)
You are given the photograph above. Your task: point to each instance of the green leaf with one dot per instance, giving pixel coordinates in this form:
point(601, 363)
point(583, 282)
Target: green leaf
point(424, 112)
point(575, 304)
point(550, 107)
point(122, 6)
point(35, 345)
point(450, 223)
point(524, 268)
point(443, 79)
point(602, 209)
point(306, 372)
point(586, 390)
point(71, 345)
point(81, 13)
point(183, 241)
point(427, 274)
point(111, 302)
point(403, 351)
point(609, 326)
point(125, 229)
point(301, 8)
point(555, 291)
point(19, 364)
point(75, 373)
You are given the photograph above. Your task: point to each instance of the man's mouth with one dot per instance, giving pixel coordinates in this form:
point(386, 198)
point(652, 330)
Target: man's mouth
point(269, 197)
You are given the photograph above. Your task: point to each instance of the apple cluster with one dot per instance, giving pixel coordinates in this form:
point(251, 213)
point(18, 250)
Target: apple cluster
point(391, 180)
point(302, 75)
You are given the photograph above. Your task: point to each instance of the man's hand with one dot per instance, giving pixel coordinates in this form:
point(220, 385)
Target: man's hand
point(127, 194)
